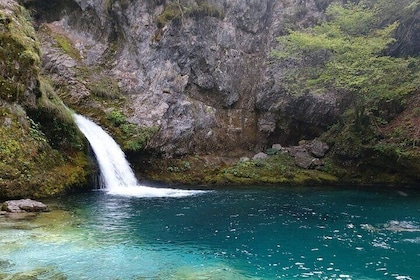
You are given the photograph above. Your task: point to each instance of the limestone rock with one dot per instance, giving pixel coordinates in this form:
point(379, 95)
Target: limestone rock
point(318, 148)
point(303, 159)
point(208, 83)
point(277, 147)
point(244, 159)
point(294, 150)
point(24, 205)
point(308, 154)
point(306, 161)
point(260, 156)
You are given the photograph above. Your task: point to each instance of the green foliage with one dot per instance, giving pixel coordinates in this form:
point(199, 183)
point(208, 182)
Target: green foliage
point(346, 53)
point(54, 119)
point(116, 118)
point(271, 151)
point(51, 103)
point(133, 137)
point(40, 147)
point(137, 139)
point(322, 4)
point(62, 42)
point(184, 166)
point(36, 132)
point(276, 169)
point(29, 166)
point(205, 9)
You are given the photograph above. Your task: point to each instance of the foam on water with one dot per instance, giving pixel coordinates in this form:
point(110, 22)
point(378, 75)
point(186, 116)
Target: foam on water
point(143, 191)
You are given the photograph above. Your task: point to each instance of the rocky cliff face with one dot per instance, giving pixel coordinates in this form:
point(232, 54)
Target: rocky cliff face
point(190, 80)
point(199, 71)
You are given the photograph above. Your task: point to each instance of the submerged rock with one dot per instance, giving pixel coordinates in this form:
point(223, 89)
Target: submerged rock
point(24, 205)
point(38, 273)
point(4, 264)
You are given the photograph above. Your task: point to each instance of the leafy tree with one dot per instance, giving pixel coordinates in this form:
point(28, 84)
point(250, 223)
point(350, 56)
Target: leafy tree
point(346, 53)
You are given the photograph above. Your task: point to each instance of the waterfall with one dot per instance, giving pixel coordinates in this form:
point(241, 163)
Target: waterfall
point(117, 177)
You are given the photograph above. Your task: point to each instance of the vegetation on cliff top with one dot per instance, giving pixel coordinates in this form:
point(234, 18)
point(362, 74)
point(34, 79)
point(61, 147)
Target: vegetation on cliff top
point(347, 53)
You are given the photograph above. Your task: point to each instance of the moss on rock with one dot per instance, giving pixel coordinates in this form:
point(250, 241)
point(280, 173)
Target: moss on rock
point(41, 151)
point(19, 55)
point(30, 167)
point(277, 169)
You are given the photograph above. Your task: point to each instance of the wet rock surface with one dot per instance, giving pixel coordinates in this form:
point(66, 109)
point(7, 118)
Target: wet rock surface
point(23, 206)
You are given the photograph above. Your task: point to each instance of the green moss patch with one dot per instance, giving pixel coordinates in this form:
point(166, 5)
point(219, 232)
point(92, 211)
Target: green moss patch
point(29, 166)
point(131, 136)
point(178, 11)
point(277, 169)
point(19, 54)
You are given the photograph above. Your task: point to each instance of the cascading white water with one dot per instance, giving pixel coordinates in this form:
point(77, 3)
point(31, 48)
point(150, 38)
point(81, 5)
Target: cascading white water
point(117, 177)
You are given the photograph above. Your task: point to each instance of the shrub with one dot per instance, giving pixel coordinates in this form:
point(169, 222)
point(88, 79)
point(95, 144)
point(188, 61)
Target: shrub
point(116, 118)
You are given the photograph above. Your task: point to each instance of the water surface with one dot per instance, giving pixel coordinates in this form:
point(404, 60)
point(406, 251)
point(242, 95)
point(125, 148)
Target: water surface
point(255, 233)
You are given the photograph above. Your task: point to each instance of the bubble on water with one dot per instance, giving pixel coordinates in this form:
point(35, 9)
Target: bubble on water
point(402, 277)
point(412, 240)
point(381, 244)
point(401, 226)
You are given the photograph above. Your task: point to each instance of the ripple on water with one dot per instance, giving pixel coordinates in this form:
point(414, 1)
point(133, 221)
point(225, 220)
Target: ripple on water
point(220, 235)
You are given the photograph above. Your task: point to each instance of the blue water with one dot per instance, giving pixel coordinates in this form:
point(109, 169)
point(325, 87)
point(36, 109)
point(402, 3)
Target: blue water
point(253, 233)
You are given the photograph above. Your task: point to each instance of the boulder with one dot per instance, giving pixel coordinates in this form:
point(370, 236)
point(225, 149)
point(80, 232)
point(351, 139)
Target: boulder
point(294, 150)
point(260, 156)
point(24, 205)
point(315, 148)
point(318, 148)
point(307, 161)
point(303, 159)
point(277, 147)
